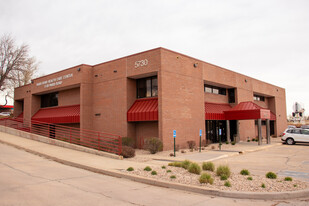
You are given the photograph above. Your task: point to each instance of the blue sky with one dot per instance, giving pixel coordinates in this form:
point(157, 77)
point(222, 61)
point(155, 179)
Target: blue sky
point(266, 39)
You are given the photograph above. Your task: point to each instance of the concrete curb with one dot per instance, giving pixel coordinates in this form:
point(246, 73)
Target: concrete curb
point(56, 142)
point(187, 188)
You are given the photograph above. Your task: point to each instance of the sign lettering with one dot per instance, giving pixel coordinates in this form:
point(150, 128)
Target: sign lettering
point(54, 82)
point(141, 63)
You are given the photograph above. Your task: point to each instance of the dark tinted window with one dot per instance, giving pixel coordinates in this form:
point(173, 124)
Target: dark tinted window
point(231, 93)
point(305, 132)
point(214, 89)
point(49, 100)
point(296, 131)
point(258, 98)
point(147, 87)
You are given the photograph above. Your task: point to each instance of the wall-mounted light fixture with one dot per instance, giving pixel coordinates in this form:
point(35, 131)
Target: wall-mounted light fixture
point(78, 69)
point(246, 80)
point(195, 65)
point(115, 71)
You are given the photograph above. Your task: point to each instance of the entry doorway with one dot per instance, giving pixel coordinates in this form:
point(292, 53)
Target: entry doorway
point(213, 128)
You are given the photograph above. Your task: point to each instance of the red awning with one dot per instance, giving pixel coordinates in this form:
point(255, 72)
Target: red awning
point(247, 110)
point(272, 115)
point(62, 114)
point(145, 109)
point(215, 111)
point(21, 115)
point(7, 106)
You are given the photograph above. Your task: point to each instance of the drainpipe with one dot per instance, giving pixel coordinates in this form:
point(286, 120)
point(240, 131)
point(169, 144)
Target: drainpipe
point(228, 135)
point(260, 130)
point(268, 131)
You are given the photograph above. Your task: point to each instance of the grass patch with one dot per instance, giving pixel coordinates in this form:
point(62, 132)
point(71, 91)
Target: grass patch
point(223, 177)
point(288, 179)
point(223, 170)
point(244, 172)
point(185, 164)
point(173, 177)
point(194, 168)
point(130, 169)
point(163, 167)
point(175, 164)
point(206, 178)
point(154, 172)
point(168, 171)
point(147, 168)
point(227, 184)
point(263, 185)
point(249, 178)
point(271, 175)
point(208, 166)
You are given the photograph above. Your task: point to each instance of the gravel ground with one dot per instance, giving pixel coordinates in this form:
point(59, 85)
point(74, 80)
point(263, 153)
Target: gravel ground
point(238, 182)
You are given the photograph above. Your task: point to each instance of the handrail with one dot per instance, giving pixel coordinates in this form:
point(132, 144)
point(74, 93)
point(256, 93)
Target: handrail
point(88, 138)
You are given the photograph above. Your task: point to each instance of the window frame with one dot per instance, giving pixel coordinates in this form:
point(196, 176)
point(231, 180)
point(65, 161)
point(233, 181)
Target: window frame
point(153, 90)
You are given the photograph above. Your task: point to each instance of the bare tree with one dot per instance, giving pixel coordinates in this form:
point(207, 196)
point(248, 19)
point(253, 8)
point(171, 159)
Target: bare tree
point(16, 67)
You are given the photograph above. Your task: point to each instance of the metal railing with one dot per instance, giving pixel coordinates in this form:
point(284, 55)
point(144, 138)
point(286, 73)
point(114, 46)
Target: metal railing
point(88, 138)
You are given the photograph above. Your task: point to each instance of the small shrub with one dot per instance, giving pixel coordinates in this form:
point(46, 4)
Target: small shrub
point(233, 143)
point(191, 150)
point(194, 168)
point(127, 152)
point(223, 170)
point(171, 154)
point(244, 172)
point(182, 151)
point(202, 148)
point(208, 166)
point(163, 167)
point(223, 177)
point(288, 179)
point(153, 145)
point(154, 172)
point(263, 185)
point(295, 185)
point(175, 164)
point(248, 140)
point(226, 142)
point(249, 178)
point(271, 175)
point(130, 169)
point(186, 164)
point(212, 147)
point(227, 184)
point(173, 177)
point(128, 141)
point(147, 168)
point(206, 178)
point(168, 171)
point(191, 144)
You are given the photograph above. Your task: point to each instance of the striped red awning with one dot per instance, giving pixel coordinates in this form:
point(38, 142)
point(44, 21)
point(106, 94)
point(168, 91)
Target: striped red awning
point(145, 109)
point(62, 114)
point(215, 111)
point(247, 110)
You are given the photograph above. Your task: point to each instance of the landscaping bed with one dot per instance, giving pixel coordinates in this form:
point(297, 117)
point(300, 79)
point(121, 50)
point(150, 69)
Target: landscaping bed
point(234, 182)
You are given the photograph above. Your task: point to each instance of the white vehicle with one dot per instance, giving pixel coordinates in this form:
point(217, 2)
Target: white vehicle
point(5, 114)
point(294, 135)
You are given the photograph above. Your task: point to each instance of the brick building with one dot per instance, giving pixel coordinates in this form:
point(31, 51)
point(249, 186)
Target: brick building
point(152, 93)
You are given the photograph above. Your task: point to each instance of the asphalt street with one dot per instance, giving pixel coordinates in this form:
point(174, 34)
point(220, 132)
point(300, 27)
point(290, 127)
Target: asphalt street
point(27, 179)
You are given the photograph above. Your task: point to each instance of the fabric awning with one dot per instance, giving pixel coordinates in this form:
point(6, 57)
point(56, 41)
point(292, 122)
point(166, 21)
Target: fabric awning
point(62, 114)
point(215, 111)
point(145, 109)
point(247, 110)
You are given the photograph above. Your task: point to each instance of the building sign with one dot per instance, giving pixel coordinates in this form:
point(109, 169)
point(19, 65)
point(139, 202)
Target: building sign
point(141, 63)
point(55, 81)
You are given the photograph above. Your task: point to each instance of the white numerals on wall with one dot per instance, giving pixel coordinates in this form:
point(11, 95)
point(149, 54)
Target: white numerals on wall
point(141, 63)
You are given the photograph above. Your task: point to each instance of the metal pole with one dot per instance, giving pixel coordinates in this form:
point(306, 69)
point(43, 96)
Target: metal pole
point(268, 131)
point(260, 130)
point(174, 147)
point(200, 142)
point(220, 139)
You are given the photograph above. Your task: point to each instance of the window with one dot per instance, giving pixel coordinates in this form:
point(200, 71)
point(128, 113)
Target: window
point(296, 131)
point(305, 132)
point(147, 87)
point(49, 100)
point(231, 94)
point(214, 90)
point(258, 98)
